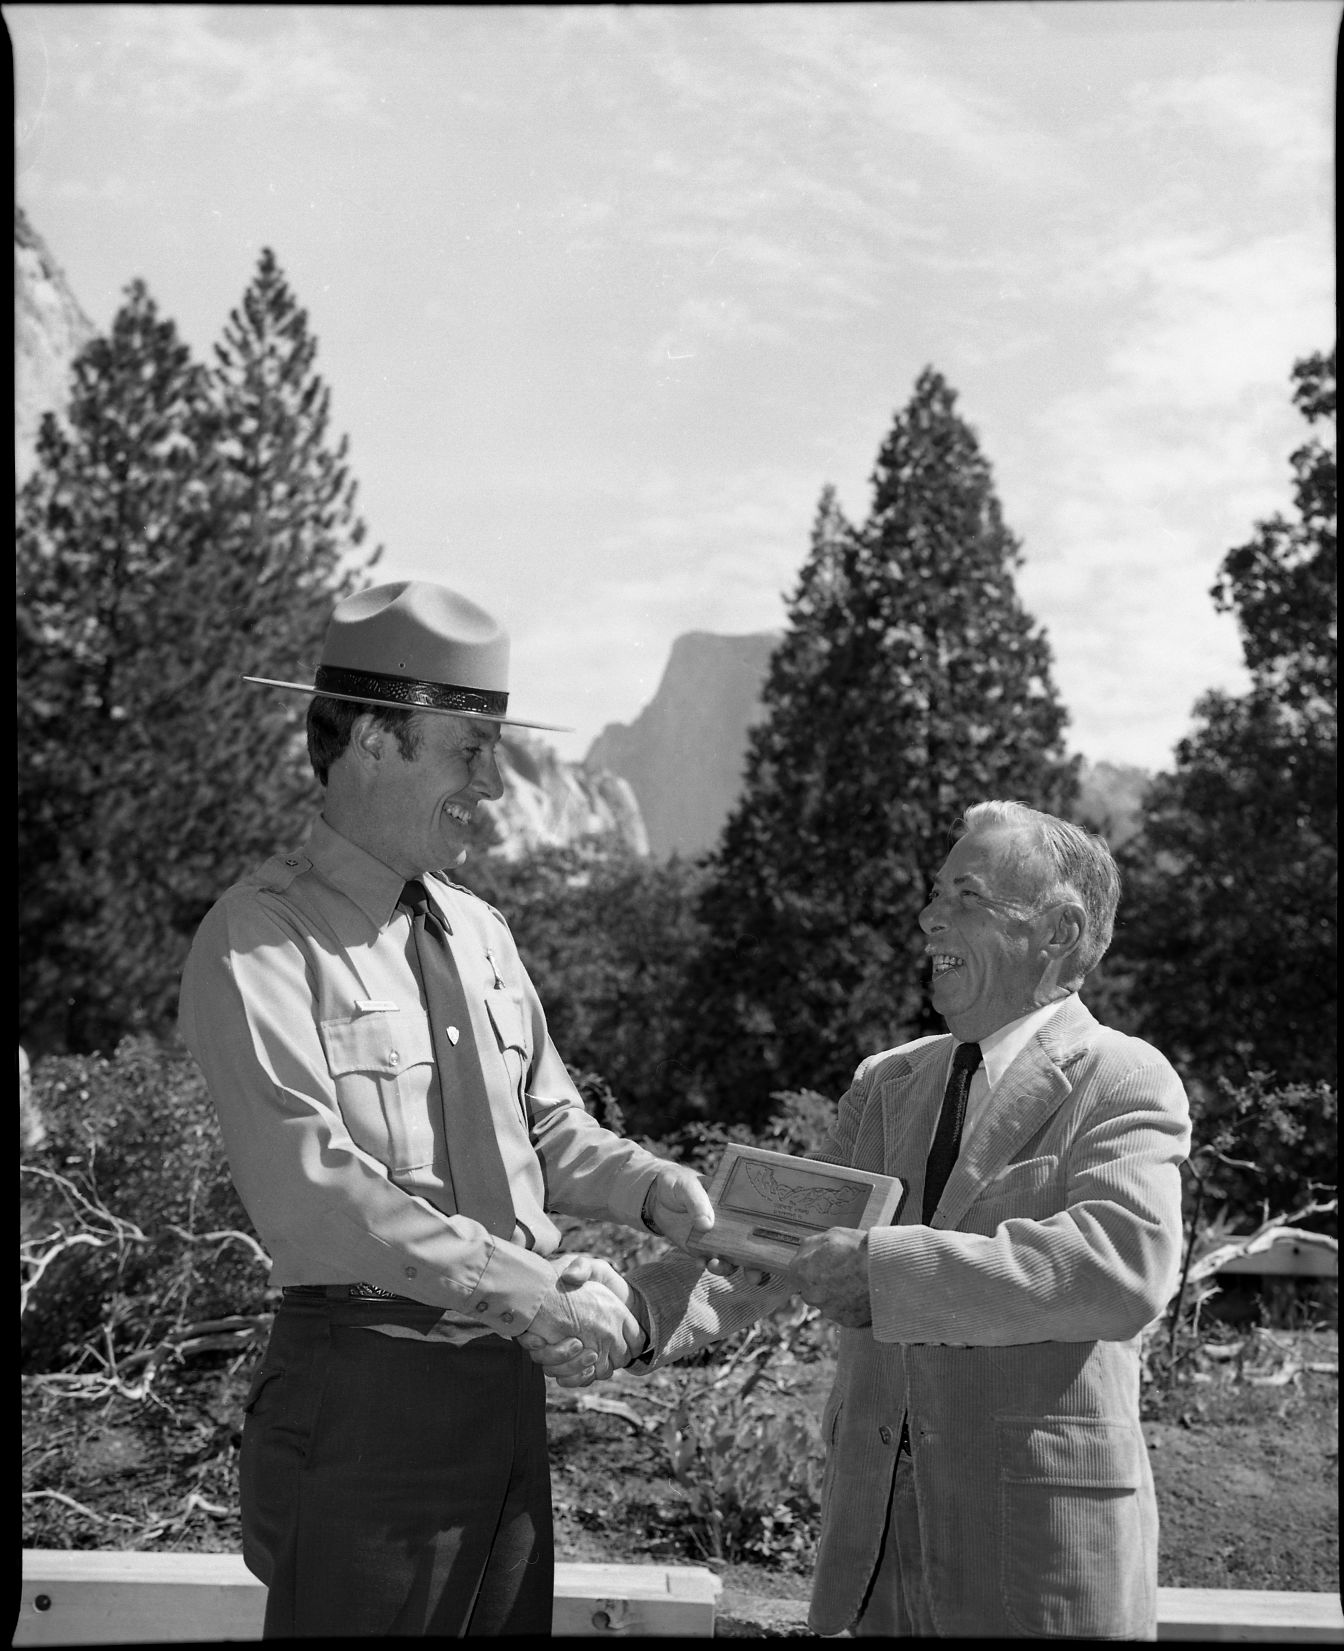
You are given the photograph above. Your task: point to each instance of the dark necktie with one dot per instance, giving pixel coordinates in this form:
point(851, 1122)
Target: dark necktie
point(947, 1136)
point(480, 1181)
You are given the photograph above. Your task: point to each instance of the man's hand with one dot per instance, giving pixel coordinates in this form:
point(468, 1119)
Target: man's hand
point(831, 1272)
point(677, 1206)
point(721, 1265)
point(577, 1336)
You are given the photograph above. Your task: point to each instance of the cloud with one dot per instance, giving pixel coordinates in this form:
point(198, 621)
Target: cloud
point(1238, 108)
point(174, 63)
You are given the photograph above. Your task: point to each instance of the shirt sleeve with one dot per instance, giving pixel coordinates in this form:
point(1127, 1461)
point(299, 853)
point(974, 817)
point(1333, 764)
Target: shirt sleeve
point(247, 1016)
point(1098, 1266)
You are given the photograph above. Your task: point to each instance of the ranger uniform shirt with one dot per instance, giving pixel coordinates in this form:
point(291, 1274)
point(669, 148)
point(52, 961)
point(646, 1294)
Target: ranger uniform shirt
point(301, 1004)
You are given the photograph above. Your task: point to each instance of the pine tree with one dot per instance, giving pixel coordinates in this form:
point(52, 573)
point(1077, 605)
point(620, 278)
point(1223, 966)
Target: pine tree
point(187, 528)
point(909, 684)
point(1229, 926)
point(103, 521)
point(291, 501)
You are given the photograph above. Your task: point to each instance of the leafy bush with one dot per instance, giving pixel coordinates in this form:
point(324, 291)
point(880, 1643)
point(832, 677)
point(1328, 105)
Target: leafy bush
point(753, 1473)
point(1264, 1146)
point(607, 942)
point(131, 1227)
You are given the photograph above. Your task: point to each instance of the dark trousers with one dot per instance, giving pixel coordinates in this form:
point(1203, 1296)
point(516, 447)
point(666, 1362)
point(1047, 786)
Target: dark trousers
point(392, 1485)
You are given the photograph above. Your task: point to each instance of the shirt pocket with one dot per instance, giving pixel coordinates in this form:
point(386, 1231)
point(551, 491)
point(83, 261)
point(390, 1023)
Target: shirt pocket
point(515, 1048)
point(381, 1063)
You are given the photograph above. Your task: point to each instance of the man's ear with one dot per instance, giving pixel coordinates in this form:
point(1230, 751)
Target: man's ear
point(368, 740)
point(1068, 925)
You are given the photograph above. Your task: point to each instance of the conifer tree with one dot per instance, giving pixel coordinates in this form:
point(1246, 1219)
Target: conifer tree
point(185, 528)
point(290, 498)
point(910, 683)
point(1228, 930)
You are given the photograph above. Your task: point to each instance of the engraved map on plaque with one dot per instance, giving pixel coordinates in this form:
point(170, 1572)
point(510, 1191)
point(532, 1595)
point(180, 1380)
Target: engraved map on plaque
point(759, 1189)
point(767, 1203)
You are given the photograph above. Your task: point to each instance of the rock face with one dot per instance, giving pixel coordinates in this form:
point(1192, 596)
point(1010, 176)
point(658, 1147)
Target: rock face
point(549, 803)
point(50, 329)
point(1110, 798)
point(683, 754)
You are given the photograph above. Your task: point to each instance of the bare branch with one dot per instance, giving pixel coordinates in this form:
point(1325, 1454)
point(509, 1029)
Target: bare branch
point(69, 1501)
point(224, 1238)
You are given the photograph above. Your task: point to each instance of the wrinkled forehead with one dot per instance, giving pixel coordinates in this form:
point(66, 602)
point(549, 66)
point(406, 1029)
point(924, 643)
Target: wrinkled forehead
point(1003, 859)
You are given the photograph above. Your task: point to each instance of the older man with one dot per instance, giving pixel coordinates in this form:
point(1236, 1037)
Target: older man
point(986, 1472)
point(402, 1130)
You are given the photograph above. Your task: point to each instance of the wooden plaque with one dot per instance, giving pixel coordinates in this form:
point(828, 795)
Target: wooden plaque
point(767, 1203)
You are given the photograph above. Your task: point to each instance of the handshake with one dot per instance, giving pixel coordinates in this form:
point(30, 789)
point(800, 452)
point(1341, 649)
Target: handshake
point(591, 1321)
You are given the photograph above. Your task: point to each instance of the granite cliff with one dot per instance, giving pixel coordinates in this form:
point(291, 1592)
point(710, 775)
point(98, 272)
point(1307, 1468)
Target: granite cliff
point(683, 754)
point(50, 329)
point(550, 803)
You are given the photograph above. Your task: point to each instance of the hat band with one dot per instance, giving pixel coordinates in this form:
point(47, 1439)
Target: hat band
point(431, 696)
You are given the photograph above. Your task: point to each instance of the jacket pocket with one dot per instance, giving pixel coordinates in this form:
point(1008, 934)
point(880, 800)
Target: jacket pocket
point(381, 1063)
point(1079, 1551)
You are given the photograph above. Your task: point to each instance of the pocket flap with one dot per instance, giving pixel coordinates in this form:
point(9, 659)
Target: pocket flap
point(1082, 1451)
point(506, 1015)
point(380, 1042)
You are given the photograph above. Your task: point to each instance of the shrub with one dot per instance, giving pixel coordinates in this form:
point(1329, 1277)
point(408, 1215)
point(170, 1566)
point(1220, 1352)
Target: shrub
point(120, 1199)
point(1268, 1146)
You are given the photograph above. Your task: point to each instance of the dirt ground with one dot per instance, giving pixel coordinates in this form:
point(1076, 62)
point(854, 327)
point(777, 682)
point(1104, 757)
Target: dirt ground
point(1245, 1458)
point(1245, 1462)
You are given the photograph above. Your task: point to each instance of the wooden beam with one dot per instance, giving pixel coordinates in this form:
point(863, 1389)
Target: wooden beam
point(1249, 1614)
point(100, 1597)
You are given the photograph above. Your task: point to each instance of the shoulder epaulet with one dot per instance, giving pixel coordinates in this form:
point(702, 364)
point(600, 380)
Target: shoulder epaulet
point(457, 888)
point(280, 871)
point(471, 894)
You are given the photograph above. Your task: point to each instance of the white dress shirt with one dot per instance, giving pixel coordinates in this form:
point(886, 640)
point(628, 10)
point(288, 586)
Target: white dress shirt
point(998, 1051)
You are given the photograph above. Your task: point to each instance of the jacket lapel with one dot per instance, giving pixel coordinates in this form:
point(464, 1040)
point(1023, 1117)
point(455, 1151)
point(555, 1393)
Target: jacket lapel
point(1029, 1094)
point(909, 1096)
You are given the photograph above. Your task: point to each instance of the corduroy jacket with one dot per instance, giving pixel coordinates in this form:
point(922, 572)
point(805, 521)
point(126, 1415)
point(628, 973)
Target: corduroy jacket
point(1005, 1332)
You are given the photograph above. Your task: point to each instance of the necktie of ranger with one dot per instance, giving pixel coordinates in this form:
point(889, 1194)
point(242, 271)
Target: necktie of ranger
point(480, 1181)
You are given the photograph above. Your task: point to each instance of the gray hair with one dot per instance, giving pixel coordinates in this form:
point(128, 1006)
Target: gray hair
point(1075, 864)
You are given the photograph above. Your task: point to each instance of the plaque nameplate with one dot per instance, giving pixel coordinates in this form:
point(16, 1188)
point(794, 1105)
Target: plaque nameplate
point(767, 1203)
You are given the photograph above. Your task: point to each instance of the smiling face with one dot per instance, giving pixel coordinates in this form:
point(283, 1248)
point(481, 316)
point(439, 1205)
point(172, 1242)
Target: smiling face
point(415, 813)
point(992, 958)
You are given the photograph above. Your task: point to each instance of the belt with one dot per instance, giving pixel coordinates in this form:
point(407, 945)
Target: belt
point(346, 1292)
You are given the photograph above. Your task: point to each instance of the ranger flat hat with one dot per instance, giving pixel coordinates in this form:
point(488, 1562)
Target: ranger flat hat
point(415, 646)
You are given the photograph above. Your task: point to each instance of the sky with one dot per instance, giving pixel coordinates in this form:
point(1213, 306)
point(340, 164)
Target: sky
point(606, 295)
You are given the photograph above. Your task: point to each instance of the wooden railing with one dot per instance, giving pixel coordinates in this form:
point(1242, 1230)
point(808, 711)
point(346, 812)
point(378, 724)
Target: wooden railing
point(106, 1598)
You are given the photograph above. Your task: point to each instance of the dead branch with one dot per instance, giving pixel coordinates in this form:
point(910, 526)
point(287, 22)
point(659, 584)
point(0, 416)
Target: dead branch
point(224, 1239)
point(69, 1501)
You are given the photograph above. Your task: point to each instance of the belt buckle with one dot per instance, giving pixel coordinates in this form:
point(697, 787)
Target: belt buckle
point(372, 1292)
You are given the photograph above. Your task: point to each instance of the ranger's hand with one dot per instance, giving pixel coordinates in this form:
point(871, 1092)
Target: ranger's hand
point(676, 1205)
point(577, 1336)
